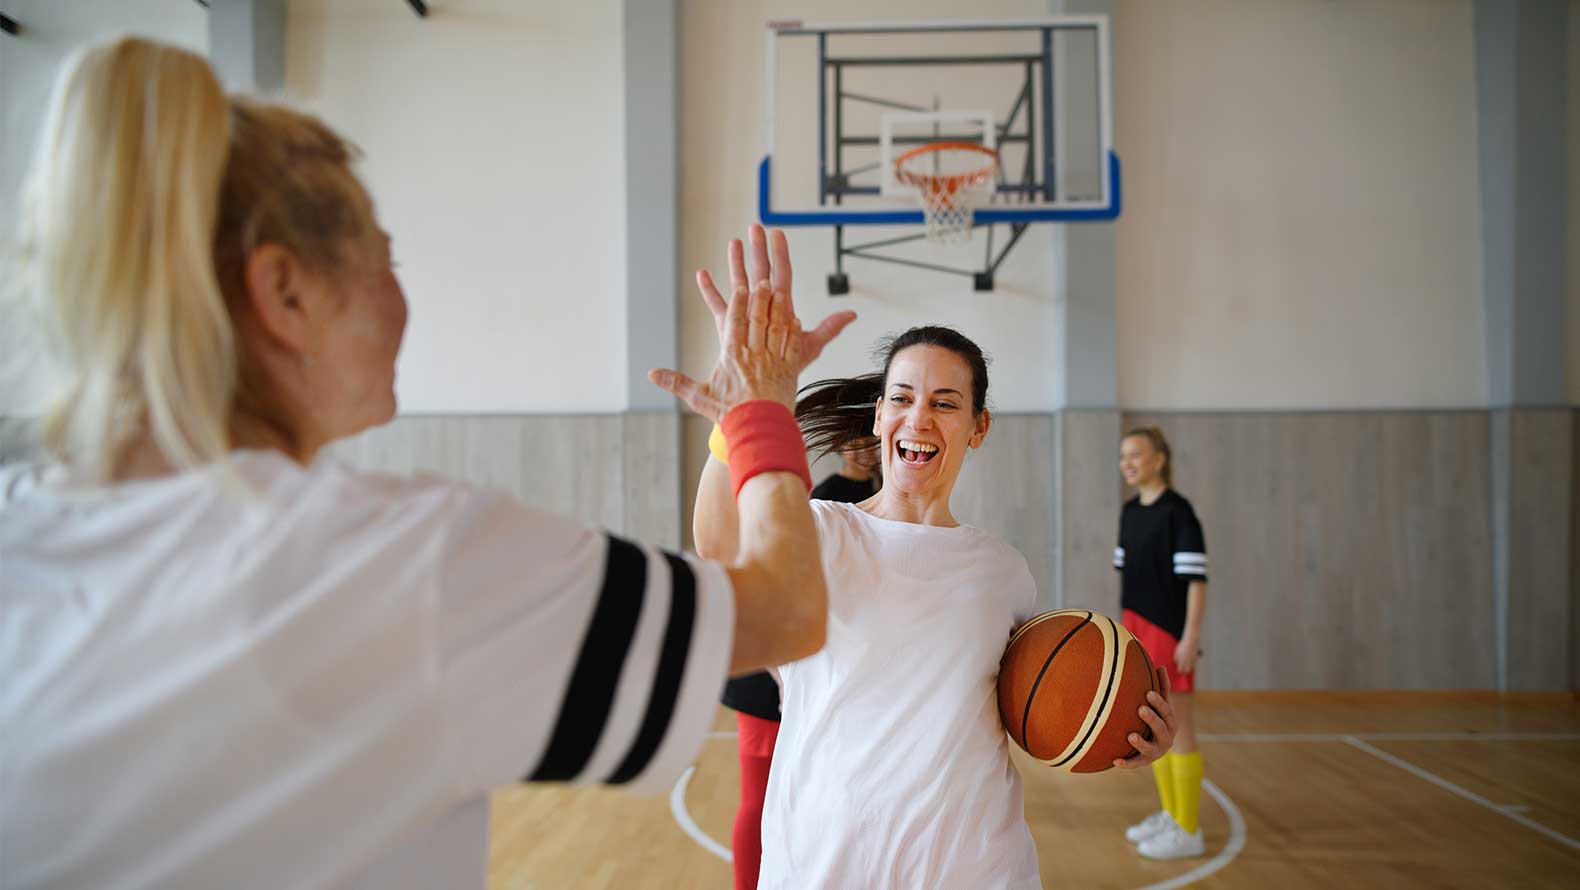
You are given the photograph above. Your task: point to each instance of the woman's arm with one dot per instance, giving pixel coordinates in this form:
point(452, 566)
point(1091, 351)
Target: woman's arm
point(715, 523)
point(763, 533)
point(1190, 642)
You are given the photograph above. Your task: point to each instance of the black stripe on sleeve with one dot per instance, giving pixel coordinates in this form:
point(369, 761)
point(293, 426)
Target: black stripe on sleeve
point(671, 671)
point(590, 694)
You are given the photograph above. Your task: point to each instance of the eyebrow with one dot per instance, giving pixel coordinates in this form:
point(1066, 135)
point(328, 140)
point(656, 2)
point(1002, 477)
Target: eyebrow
point(936, 392)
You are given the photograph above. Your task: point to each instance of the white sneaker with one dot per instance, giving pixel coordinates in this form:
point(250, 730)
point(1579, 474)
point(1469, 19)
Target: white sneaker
point(1173, 843)
point(1148, 827)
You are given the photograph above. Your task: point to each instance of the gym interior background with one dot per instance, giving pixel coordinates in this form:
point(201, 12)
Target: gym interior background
point(1345, 282)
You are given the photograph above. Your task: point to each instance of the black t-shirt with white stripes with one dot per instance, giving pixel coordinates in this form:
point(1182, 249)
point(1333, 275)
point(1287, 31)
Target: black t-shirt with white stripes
point(1161, 550)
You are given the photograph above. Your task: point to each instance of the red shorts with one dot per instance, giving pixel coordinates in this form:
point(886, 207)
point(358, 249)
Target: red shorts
point(1160, 644)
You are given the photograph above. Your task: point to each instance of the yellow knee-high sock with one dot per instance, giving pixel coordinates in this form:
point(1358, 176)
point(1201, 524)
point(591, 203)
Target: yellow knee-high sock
point(1187, 789)
point(1163, 772)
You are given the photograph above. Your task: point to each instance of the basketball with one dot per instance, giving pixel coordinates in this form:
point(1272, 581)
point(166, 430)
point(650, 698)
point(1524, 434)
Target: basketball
point(1070, 688)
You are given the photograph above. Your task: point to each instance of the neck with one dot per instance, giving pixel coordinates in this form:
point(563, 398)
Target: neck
point(1151, 491)
point(144, 459)
point(890, 503)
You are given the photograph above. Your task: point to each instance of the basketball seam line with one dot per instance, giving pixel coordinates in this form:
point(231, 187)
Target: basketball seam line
point(1032, 695)
point(1113, 666)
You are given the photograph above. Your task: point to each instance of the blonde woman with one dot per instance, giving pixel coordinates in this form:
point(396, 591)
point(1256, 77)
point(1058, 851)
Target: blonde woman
point(1162, 558)
point(229, 661)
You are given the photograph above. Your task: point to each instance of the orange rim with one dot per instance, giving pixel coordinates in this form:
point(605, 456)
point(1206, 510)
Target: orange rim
point(945, 182)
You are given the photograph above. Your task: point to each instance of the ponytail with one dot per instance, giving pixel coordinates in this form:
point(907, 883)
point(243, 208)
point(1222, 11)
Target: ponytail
point(837, 416)
point(118, 232)
point(149, 191)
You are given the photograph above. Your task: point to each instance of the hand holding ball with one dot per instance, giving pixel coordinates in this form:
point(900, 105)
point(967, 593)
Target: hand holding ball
point(1071, 692)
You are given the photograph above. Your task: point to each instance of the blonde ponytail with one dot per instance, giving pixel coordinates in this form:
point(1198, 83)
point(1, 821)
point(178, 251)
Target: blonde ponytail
point(117, 236)
point(149, 192)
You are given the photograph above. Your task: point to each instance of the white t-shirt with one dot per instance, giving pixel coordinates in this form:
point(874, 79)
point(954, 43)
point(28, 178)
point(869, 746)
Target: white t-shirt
point(316, 685)
point(892, 770)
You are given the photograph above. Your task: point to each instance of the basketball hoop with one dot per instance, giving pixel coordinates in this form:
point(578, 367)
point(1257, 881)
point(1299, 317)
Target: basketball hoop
point(961, 179)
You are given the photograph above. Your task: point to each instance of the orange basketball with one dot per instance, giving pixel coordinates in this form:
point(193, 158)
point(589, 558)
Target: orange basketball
point(1069, 689)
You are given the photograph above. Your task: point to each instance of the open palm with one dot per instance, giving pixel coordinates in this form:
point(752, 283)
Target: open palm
point(762, 348)
point(771, 264)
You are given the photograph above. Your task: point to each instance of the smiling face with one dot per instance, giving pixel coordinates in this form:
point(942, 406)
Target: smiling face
point(926, 422)
point(1139, 462)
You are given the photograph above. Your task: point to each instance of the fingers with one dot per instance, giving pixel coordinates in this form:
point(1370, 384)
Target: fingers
point(762, 300)
point(736, 322)
point(1162, 734)
point(779, 323)
point(759, 254)
point(687, 390)
point(1163, 681)
point(826, 330)
point(711, 295)
point(737, 255)
point(779, 251)
point(1163, 706)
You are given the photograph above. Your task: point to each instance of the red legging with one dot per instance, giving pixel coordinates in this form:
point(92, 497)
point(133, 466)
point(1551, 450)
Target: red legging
point(755, 742)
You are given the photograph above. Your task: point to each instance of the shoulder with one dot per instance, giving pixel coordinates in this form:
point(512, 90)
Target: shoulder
point(997, 551)
point(1013, 570)
point(833, 512)
point(335, 500)
point(331, 489)
point(1179, 503)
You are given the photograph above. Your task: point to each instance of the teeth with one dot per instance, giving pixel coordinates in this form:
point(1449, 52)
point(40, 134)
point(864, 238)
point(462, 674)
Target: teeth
point(921, 447)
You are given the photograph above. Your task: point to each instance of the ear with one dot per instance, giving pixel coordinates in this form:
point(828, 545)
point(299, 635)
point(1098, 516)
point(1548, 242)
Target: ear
point(275, 281)
point(877, 418)
point(984, 423)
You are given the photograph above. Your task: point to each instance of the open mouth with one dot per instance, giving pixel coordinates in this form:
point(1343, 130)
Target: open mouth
point(915, 453)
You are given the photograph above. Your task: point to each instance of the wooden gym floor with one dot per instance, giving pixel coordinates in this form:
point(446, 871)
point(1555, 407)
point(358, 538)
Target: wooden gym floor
point(1315, 789)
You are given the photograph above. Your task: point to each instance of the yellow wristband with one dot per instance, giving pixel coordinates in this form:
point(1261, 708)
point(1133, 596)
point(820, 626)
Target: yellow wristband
point(718, 447)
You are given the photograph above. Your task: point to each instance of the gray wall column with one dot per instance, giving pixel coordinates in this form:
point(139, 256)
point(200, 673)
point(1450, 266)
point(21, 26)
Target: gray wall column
point(1521, 105)
point(1087, 421)
point(246, 40)
point(651, 429)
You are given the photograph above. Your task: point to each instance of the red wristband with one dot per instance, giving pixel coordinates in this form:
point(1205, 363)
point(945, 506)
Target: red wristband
point(763, 438)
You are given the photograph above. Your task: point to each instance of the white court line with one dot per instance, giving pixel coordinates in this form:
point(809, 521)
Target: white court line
point(1225, 856)
point(1471, 796)
point(677, 806)
point(1391, 736)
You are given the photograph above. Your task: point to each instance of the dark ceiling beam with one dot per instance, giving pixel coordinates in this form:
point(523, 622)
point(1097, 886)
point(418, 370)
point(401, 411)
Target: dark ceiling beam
point(9, 25)
point(419, 7)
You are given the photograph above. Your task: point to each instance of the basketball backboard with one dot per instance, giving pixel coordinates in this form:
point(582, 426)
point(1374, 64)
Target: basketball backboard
point(845, 99)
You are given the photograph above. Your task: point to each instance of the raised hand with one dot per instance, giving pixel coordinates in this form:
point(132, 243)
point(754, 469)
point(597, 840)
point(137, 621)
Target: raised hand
point(762, 347)
point(770, 255)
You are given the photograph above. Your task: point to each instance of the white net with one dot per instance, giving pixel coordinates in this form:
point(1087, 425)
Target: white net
point(952, 180)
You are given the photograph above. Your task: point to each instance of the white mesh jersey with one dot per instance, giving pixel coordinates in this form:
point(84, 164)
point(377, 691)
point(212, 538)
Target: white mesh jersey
point(892, 769)
point(316, 685)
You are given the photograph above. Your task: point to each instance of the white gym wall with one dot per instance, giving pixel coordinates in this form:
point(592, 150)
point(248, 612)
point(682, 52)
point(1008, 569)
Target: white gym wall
point(1301, 222)
point(494, 139)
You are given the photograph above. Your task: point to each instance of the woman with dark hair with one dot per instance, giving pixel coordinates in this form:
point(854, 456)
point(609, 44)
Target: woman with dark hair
point(755, 697)
point(891, 768)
